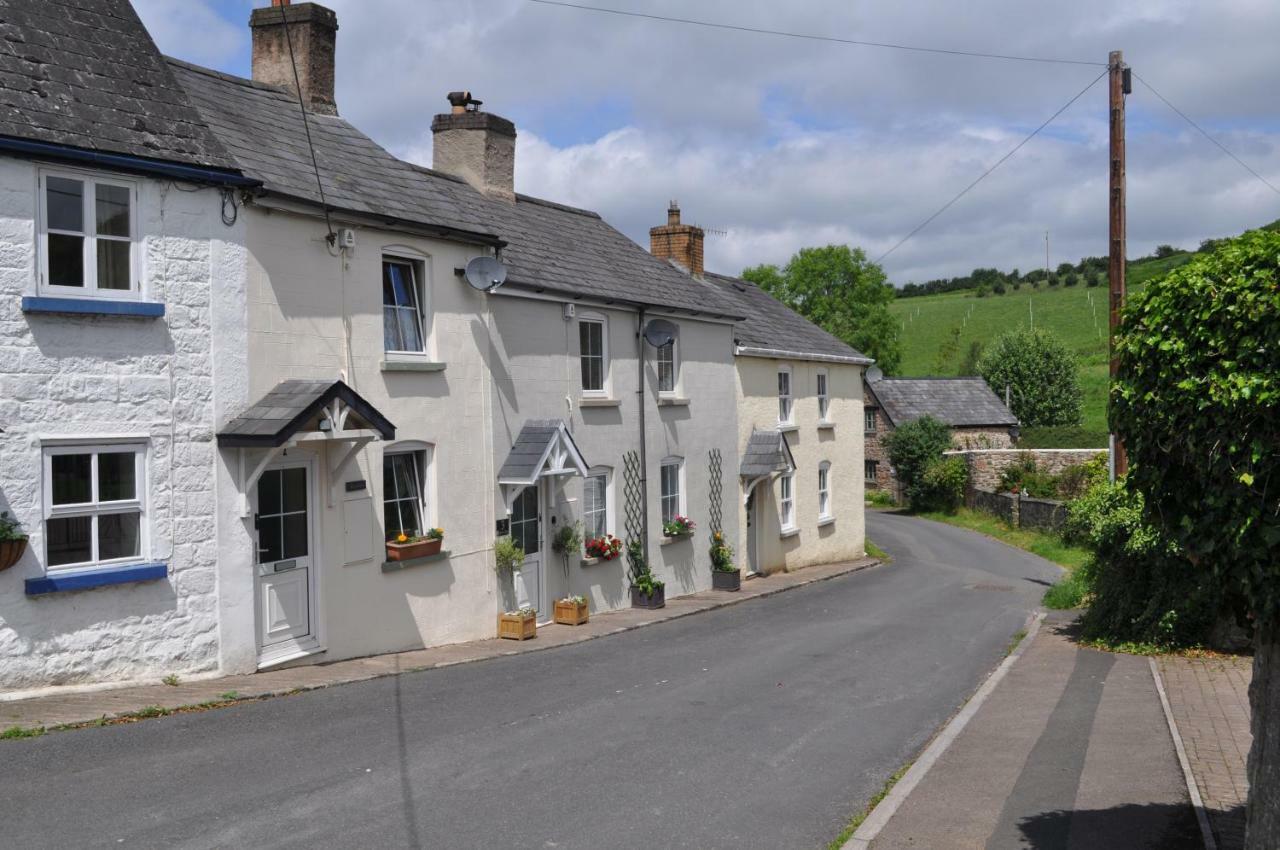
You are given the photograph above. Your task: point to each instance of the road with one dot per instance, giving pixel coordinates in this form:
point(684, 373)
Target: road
point(765, 724)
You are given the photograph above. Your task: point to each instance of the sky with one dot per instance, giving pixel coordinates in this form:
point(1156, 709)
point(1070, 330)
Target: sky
point(774, 144)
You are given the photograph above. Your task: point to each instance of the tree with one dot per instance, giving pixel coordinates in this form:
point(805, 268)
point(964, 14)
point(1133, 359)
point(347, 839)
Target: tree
point(1041, 373)
point(912, 448)
point(837, 288)
point(1163, 251)
point(1197, 402)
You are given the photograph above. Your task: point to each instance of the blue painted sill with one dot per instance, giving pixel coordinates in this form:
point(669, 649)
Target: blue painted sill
point(100, 577)
point(92, 306)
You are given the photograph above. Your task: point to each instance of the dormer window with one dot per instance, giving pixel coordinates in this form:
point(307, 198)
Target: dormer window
point(87, 229)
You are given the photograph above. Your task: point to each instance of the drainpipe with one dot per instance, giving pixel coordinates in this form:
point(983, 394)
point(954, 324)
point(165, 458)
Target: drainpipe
point(642, 395)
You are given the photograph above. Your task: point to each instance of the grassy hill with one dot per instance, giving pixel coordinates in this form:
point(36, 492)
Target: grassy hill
point(1076, 314)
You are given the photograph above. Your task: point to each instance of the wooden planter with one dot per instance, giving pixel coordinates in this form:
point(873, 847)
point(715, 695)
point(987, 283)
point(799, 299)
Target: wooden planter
point(657, 599)
point(518, 626)
point(571, 613)
point(409, 551)
point(11, 551)
point(726, 580)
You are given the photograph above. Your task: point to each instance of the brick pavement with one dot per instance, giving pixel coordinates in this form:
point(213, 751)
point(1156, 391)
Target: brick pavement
point(1209, 698)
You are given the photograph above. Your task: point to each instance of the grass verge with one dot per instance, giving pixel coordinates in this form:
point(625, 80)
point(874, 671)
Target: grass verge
point(1047, 546)
point(875, 551)
point(856, 820)
point(1068, 593)
point(1017, 638)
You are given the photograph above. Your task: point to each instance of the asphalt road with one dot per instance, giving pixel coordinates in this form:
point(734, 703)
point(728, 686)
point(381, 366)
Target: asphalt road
point(765, 724)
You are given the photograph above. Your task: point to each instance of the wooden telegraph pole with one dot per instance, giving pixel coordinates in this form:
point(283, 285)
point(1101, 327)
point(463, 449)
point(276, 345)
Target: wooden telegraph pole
point(1119, 87)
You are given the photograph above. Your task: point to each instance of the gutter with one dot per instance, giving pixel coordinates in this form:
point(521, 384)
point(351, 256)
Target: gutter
point(125, 162)
point(785, 354)
point(665, 308)
point(304, 206)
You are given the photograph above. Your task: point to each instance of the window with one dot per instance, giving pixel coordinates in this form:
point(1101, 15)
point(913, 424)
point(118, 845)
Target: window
point(787, 501)
point(87, 230)
point(526, 521)
point(93, 505)
point(824, 490)
point(404, 498)
point(401, 308)
point(869, 420)
point(595, 504)
point(667, 367)
point(672, 491)
point(784, 395)
point(593, 354)
point(824, 400)
point(870, 470)
point(281, 521)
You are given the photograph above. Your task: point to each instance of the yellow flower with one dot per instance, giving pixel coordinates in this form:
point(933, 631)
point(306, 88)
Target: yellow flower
point(401, 538)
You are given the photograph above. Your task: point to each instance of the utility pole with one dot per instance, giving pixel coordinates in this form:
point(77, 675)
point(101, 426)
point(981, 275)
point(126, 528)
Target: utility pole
point(1046, 258)
point(1119, 87)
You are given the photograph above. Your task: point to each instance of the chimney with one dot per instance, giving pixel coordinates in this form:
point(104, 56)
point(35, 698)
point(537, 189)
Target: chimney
point(681, 243)
point(312, 30)
point(477, 146)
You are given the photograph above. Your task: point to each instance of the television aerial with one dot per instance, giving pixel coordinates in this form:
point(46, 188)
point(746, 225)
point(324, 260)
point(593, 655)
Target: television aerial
point(485, 273)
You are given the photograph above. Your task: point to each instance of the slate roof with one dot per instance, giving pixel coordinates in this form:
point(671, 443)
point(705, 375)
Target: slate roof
point(530, 446)
point(771, 326)
point(767, 452)
point(549, 246)
point(86, 74)
point(959, 402)
point(289, 406)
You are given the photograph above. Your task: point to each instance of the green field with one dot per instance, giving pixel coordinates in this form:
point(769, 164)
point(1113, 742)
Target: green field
point(1077, 315)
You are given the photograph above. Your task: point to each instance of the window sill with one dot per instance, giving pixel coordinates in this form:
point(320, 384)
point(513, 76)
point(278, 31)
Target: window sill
point(823, 522)
point(60, 582)
point(591, 562)
point(672, 401)
point(826, 426)
point(599, 401)
point(412, 365)
point(788, 532)
point(667, 541)
point(785, 427)
point(92, 307)
point(397, 566)
point(869, 433)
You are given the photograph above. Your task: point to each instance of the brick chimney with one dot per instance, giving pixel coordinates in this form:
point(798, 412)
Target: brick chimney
point(313, 31)
point(477, 146)
point(679, 242)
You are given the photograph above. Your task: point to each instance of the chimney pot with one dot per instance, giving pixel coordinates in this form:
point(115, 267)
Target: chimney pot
point(479, 147)
point(680, 243)
point(312, 32)
point(673, 213)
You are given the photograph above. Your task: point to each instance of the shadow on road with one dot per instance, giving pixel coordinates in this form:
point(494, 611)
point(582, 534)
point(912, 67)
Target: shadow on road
point(412, 839)
point(1156, 825)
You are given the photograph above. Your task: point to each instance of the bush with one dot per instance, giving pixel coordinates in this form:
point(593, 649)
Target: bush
point(1062, 437)
point(1042, 374)
point(913, 446)
point(941, 488)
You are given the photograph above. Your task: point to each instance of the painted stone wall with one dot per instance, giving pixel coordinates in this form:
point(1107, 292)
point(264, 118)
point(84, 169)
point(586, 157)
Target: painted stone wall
point(65, 376)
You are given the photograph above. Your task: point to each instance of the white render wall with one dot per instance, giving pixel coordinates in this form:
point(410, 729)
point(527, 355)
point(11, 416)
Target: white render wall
point(63, 375)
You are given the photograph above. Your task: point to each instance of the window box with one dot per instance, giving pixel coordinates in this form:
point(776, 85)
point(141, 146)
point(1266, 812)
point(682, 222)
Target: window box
point(65, 580)
point(668, 539)
point(409, 551)
point(518, 625)
point(730, 580)
point(571, 612)
point(92, 307)
point(397, 566)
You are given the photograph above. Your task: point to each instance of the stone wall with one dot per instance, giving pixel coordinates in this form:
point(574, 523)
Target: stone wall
point(1041, 514)
point(1003, 505)
point(875, 449)
point(986, 465)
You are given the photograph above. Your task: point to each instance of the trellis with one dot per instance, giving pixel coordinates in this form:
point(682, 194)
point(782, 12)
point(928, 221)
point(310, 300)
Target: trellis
point(633, 496)
point(715, 473)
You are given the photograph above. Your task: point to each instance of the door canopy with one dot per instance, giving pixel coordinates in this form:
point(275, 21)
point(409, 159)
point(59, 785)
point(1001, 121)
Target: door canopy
point(544, 448)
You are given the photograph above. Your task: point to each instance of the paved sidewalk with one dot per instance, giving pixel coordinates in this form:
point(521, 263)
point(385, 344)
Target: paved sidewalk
point(69, 706)
point(1209, 698)
point(1071, 750)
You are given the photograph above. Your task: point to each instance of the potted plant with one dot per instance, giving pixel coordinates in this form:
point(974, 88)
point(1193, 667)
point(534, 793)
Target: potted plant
point(646, 591)
point(567, 542)
point(507, 555)
point(604, 548)
point(572, 610)
point(406, 546)
point(13, 542)
point(724, 574)
point(518, 625)
point(679, 526)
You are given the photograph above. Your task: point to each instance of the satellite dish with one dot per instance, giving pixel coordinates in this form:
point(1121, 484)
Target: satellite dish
point(874, 374)
point(659, 332)
point(485, 273)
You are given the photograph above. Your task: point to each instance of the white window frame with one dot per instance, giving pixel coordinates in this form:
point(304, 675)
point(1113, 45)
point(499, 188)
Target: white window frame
point(869, 412)
point(94, 508)
point(607, 474)
point(424, 456)
point(603, 322)
point(675, 368)
point(663, 497)
point(822, 383)
point(787, 501)
point(875, 465)
point(786, 400)
point(90, 179)
point(418, 267)
point(824, 490)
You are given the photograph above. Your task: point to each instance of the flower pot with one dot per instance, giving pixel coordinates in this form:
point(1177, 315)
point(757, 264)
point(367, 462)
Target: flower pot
point(517, 626)
point(726, 579)
point(11, 551)
point(570, 612)
point(408, 551)
point(657, 599)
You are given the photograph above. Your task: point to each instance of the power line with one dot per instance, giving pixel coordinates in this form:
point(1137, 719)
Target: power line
point(922, 225)
point(1205, 133)
point(812, 37)
point(306, 126)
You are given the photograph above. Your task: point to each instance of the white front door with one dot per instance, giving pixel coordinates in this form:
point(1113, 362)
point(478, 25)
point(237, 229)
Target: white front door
point(753, 565)
point(285, 602)
point(526, 531)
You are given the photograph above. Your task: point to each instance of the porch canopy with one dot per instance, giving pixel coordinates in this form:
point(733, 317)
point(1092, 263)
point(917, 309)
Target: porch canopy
point(544, 448)
point(767, 454)
point(304, 411)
